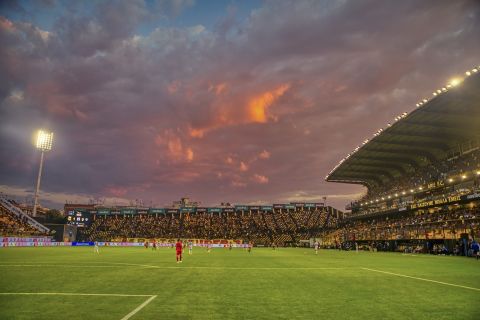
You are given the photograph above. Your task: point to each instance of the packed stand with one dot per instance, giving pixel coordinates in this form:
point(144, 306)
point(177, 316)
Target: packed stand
point(282, 227)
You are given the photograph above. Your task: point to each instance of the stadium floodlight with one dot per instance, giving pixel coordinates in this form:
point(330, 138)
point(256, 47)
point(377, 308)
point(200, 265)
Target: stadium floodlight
point(478, 173)
point(420, 188)
point(450, 180)
point(44, 140)
point(475, 70)
point(455, 82)
point(404, 193)
point(468, 73)
point(44, 143)
point(411, 190)
point(464, 177)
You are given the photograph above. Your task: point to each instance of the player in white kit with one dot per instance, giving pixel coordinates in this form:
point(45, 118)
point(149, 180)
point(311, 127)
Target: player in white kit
point(190, 247)
point(316, 245)
point(95, 249)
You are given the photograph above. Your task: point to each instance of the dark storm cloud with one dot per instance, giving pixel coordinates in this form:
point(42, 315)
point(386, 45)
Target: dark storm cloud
point(253, 110)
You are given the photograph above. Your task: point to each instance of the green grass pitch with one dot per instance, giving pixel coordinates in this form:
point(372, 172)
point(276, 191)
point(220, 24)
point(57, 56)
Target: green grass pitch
point(223, 284)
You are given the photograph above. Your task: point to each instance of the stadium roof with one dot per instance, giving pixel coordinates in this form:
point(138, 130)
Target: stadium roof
point(437, 129)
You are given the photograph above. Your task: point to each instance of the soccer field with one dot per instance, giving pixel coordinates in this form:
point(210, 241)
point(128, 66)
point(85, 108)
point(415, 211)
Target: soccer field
point(138, 283)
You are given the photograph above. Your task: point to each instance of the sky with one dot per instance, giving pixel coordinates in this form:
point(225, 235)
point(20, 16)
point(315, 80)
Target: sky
point(244, 102)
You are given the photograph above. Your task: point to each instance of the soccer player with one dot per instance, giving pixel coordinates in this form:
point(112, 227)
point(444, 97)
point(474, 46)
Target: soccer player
point(179, 248)
point(476, 249)
point(250, 245)
point(316, 244)
point(209, 247)
point(95, 249)
point(190, 247)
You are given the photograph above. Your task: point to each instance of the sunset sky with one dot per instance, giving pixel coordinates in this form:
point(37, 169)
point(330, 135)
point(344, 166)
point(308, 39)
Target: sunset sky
point(221, 101)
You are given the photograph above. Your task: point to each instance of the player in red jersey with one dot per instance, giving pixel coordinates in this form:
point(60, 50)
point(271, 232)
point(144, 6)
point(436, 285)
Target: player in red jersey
point(179, 248)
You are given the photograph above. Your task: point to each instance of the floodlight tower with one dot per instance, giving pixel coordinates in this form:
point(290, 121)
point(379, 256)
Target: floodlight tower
point(44, 143)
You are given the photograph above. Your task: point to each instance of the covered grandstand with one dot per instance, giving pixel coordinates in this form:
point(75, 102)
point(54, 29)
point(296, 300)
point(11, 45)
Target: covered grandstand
point(440, 130)
point(422, 174)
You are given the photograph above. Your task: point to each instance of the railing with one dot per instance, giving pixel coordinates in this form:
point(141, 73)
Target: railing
point(19, 213)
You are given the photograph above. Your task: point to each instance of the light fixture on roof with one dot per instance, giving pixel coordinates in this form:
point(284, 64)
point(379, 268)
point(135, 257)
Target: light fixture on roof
point(450, 180)
point(418, 104)
point(455, 82)
point(475, 70)
point(435, 93)
point(468, 73)
point(411, 190)
point(403, 192)
point(420, 188)
point(439, 91)
point(396, 194)
point(444, 89)
point(425, 100)
point(478, 173)
point(389, 197)
point(464, 176)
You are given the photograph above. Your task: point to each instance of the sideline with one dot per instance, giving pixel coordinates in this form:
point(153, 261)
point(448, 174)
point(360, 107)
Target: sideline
point(422, 279)
point(121, 264)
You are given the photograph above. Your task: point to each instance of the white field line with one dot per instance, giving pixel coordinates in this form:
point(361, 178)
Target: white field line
point(120, 264)
point(76, 294)
point(422, 279)
point(128, 316)
point(59, 265)
point(230, 268)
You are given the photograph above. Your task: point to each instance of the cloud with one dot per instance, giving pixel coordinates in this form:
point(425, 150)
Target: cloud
point(165, 109)
point(57, 199)
point(258, 106)
point(243, 166)
point(264, 154)
point(258, 178)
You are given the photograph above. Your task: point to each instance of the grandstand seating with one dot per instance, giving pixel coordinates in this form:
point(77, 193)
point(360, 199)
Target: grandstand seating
point(280, 227)
point(13, 225)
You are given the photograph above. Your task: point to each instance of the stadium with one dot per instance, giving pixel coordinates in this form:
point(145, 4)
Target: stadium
point(406, 247)
point(423, 178)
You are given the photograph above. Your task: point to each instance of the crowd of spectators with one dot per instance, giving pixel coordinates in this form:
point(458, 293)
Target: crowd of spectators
point(281, 227)
point(13, 225)
point(429, 229)
point(438, 171)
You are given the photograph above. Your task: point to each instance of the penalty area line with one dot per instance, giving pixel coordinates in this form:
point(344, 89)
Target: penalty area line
point(422, 279)
point(140, 307)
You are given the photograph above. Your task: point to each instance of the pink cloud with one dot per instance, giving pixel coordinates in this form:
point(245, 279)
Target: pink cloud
point(260, 179)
